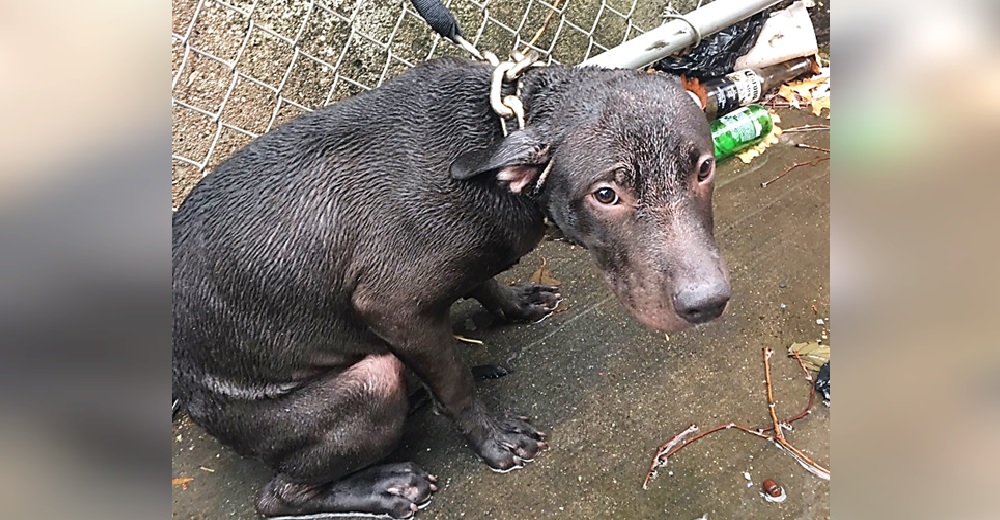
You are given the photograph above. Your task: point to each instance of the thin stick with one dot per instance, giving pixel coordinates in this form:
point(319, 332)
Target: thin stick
point(661, 458)
point(808, 409)
point(779, 437)
point(679, 441)
point(545, 25)
point(770, 394)
point(804, 460)
point(806, 128)
point(792, 167)
point(468, 340)
point(811, 147)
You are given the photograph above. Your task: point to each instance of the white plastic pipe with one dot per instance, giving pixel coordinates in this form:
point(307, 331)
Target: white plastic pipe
point(677, 34)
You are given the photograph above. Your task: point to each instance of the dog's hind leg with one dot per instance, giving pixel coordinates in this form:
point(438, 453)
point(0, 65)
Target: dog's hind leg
point(324, 440)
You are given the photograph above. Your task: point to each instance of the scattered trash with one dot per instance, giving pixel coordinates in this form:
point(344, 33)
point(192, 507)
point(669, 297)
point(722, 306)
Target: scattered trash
point(721, 95)
point(680, 440)
point(203, 468)
point(739, 130)
point(181, 482)
point(823, 382)
point(772, 492)
point(771, 50)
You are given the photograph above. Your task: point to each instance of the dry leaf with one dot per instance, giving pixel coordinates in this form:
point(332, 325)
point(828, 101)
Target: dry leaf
point(542, 276)
point(789, 95)
point(819, 104)
point(693, 85)
point(813, 354)
point(813, 91)
point(181, 482)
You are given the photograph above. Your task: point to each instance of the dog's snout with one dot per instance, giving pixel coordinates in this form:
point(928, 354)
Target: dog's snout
point(702, 303)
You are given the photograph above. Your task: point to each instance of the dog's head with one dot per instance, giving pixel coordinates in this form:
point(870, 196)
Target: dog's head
point(624, 165)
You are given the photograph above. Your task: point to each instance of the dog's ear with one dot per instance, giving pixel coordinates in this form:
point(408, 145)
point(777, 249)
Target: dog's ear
point(518, 160)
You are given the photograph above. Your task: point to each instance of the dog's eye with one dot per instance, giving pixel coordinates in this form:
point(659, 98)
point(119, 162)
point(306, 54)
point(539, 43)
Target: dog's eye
point(606, 196)
point(705, 169)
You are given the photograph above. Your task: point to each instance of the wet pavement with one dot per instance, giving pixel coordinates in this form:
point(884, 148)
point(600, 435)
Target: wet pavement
point(609, 391)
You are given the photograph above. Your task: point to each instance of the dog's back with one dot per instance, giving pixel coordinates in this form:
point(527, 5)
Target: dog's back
point(268, 248)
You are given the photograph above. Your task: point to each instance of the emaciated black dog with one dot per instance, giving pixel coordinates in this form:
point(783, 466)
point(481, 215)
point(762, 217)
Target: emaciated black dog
point(319, 263)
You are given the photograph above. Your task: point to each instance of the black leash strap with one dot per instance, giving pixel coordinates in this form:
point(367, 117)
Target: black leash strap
point(439, 18)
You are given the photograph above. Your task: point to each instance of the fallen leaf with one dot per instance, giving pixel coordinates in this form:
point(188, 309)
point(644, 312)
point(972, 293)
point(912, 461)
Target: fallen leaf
point(542, 276)
point(693, 85)
point(819, 104)
point(789, 95)
point(181, 482)
point(812, 353)
point(813, 91)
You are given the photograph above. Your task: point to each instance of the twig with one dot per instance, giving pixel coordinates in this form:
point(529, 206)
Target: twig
point(467, 340)
point(545, 25)
point(811, 147)
point(678, 441)
point(787, 423)
point(665, 451)
point(770, 395)
point(792, 167)
point(806, 128)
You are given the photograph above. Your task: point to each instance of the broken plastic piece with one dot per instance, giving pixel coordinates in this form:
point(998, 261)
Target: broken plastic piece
point(785, 35)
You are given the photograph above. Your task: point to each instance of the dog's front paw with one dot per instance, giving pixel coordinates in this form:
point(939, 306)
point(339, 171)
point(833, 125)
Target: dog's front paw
point(506, 443)
point(530, 302)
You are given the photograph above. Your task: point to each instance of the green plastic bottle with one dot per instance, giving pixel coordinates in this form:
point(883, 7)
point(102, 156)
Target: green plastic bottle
point(739, 130)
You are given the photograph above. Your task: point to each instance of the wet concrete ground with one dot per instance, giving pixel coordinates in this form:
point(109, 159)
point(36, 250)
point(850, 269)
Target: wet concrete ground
point(609, 391)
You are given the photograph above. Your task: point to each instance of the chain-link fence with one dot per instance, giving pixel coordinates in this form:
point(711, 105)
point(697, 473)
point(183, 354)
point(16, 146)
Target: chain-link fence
point(240, 67)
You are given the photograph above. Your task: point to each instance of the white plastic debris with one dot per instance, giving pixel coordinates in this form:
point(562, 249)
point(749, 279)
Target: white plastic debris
point(786, 34)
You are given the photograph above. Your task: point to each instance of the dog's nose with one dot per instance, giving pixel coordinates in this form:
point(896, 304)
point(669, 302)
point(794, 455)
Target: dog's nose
point(703, 302)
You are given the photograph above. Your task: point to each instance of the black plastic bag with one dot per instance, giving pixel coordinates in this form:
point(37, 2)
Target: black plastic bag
point(716, 54)
point(823, 382)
